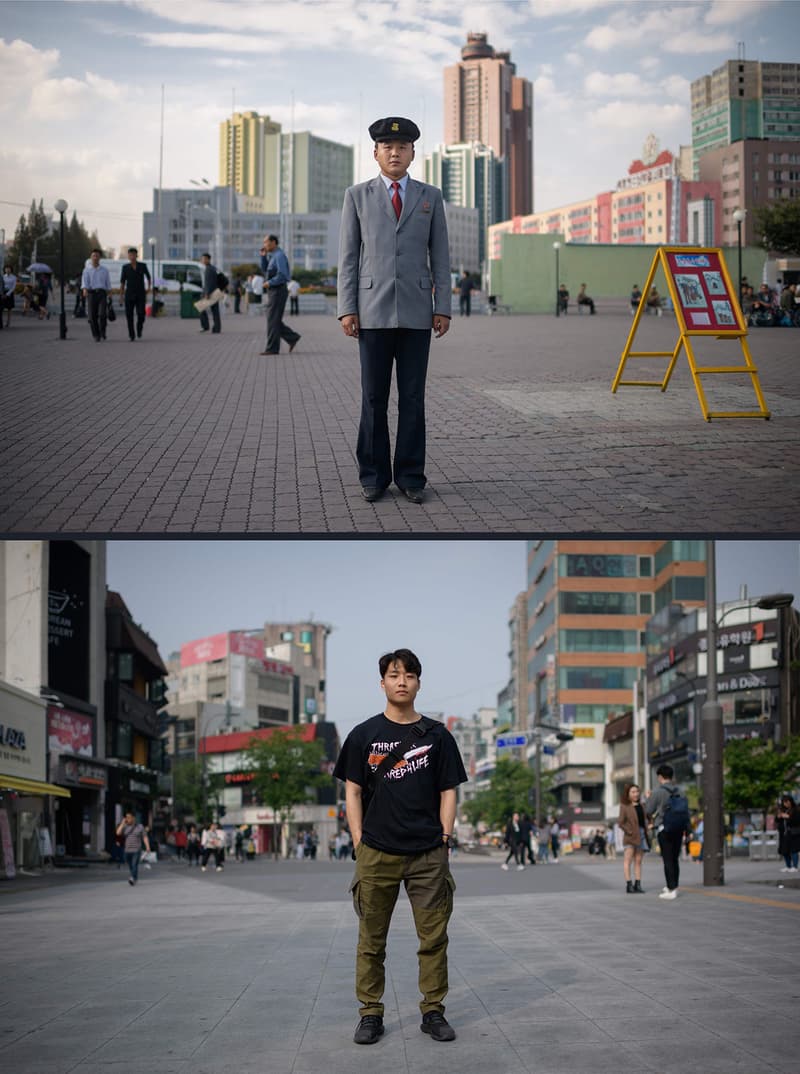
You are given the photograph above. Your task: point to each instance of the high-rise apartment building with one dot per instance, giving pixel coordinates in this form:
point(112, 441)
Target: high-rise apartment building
point(744, 99)
point(305, 174)
point(588, 605)
point(305, 646)
point(486, 102)
point(471, 175)
point(242, 151)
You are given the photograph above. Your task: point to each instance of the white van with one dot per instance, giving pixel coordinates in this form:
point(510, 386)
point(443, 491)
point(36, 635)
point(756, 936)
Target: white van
point(172, 273)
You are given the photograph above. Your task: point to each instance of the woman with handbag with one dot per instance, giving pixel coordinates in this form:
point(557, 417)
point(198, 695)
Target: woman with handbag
point(635, 840)
point(787, 821)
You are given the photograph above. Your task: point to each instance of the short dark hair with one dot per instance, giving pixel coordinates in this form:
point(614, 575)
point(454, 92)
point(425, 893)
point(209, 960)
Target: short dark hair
point(97, 250)
point(400, 656)
point(274, 238)
point(133, 250)
point(206, 254)
point(665, 770)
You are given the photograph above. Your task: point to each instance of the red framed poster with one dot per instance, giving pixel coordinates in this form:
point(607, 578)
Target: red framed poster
point(704, 296)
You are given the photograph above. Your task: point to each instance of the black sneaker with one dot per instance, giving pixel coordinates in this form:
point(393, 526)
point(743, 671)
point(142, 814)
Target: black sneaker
point(437, 1025)
point(369, 1029)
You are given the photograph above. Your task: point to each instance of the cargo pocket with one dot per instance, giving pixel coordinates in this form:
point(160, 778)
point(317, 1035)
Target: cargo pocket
point(447, 894)
point(355, 891)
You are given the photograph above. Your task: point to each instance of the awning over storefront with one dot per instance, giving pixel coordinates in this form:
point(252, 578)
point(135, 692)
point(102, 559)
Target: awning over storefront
point(32, 786)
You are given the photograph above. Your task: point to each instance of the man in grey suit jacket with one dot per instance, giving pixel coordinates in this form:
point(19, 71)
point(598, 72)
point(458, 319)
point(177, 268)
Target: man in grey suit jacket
point(394, 288)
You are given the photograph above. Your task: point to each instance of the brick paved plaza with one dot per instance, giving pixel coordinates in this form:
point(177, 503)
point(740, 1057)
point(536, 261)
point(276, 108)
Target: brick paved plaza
point(190, 433)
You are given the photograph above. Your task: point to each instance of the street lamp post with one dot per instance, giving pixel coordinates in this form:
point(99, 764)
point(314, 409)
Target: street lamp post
point(152, 243)
point(557, 247)
point(61, 207)
point(713, 829)
point(738, 216)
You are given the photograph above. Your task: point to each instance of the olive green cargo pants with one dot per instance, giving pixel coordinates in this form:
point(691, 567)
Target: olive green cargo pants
point(375, 888)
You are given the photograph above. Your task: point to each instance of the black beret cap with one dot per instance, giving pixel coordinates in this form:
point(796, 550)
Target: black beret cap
point(394, 129)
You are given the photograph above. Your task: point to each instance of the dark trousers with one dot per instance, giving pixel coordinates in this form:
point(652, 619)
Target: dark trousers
point(276, 329)
point(670, 844)
point(214, 315)
point(379, 348)
point(133, 863)
point(517, 852)
point(294, 306)
point(587, 302)
point(219, 856)
point(464, 305)
point(98, 312)
point(135, 304)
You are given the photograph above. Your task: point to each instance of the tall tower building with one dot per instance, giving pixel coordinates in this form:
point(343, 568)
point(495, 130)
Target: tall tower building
point(485, 101)
point(473, 176)
point(745, 99)
point(242, 149)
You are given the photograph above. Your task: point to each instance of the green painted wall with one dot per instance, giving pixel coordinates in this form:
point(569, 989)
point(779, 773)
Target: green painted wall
point(525, 276)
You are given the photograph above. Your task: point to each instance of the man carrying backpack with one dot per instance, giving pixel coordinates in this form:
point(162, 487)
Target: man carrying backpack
point(669, 811)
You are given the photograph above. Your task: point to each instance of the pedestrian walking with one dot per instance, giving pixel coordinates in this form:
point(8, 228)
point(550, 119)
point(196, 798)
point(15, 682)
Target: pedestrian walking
point(210, 285)
point(465, 288)
point(256, 293)
point(275, 266)
point(555, 839)
point(213, 842)
point(526, 824)
point(133, 291)
point(787, 821)
point(393, 290)
point(293, 288)
point(401, 771)
point(635, 840)
point(181, 840)
point(237, 295)
point(669, 812)
point(96, 287)
point(238, 846)
point(514, 842)
point(134, 836)
point(10, 288)
point(544, 844)
point(193, 845)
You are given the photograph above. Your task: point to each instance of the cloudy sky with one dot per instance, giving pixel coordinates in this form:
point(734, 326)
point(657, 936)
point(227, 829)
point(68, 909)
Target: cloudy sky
point(80, 83)
point(446, 600)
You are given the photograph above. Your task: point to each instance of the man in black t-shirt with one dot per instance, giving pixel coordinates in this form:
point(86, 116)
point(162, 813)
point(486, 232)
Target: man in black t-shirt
point(401, 819)
point(133, 289)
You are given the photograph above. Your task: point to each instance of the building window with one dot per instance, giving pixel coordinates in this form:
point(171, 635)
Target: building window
point(680, 552)
point(125, 667)
point(607, 678)
point(645, 603)
point(645, 566)
point(601, 566)
point(598, 603)
point(598, 641)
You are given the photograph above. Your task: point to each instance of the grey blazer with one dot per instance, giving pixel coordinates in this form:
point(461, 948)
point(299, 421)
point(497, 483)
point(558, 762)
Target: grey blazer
point(393, 273)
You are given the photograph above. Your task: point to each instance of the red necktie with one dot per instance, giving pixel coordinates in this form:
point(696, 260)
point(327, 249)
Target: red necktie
point(398, 205)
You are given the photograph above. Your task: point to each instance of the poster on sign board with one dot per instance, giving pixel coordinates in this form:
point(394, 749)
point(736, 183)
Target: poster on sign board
point(705, 297)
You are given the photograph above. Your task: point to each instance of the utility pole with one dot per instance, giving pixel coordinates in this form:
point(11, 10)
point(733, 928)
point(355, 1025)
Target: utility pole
point(713, 826)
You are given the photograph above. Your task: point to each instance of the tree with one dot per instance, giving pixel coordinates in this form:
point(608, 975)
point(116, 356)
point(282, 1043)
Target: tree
point(37, 231)
point(190, 798)
point(287, 770)
point(757, 772)
point(510, 789)
point(779, 225)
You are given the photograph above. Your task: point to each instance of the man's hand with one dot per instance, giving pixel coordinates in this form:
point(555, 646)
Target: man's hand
point(440, 325)
point(350, 325)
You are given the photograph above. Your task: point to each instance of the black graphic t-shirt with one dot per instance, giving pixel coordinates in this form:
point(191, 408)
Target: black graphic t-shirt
point(401, 810)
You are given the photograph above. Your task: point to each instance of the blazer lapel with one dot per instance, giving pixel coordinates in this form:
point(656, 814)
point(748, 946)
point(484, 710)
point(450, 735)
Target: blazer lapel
point(381, 195)
point(414, 192)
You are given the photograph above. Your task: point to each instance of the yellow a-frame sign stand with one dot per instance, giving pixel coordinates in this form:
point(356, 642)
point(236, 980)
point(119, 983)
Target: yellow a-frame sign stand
point(702, 295)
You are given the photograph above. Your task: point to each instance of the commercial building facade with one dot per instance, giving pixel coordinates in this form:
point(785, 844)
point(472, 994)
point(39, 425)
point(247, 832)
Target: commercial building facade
point(243, 152)
point(588, 606)
point(471, 175)
point(305, 174)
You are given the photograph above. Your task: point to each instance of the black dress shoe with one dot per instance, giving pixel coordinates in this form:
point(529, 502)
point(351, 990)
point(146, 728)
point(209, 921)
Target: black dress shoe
point(371, 493)
point(132, 339)
point(293, 345)
point(369, 1029)
point(437, 1026)
point(415, 495)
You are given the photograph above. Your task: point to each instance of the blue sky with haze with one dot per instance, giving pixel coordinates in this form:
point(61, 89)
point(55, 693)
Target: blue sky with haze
point(447, 600)
point(80, 83)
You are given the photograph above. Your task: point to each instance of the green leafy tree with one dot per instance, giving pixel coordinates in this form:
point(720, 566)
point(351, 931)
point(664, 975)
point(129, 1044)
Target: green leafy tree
point(779, 225)
point(191, 799)
point(287, 772)
point(757, 772)
point(510, 788)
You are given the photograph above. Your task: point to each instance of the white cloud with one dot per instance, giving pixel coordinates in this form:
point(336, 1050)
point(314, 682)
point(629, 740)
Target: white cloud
point(230, 62)
point(629, 115)
point(728, 12)
point(623, 84)
point(649, 63)
point(22, 65)
point(69, 97)
point(679, 28)
point(574, 59)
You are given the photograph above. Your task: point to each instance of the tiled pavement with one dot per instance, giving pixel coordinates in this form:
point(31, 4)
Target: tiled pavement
point(554, 971)
point(183, 433)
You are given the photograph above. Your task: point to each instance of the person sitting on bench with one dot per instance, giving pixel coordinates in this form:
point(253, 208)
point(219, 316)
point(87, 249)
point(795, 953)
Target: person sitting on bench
point(654, 301)
point(584, 299)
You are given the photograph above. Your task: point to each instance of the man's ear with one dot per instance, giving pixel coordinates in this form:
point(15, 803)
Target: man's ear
point(383, 686)
point(413, 152)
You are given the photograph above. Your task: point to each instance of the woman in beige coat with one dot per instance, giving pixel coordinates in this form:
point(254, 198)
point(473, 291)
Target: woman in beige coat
point(635, 839)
